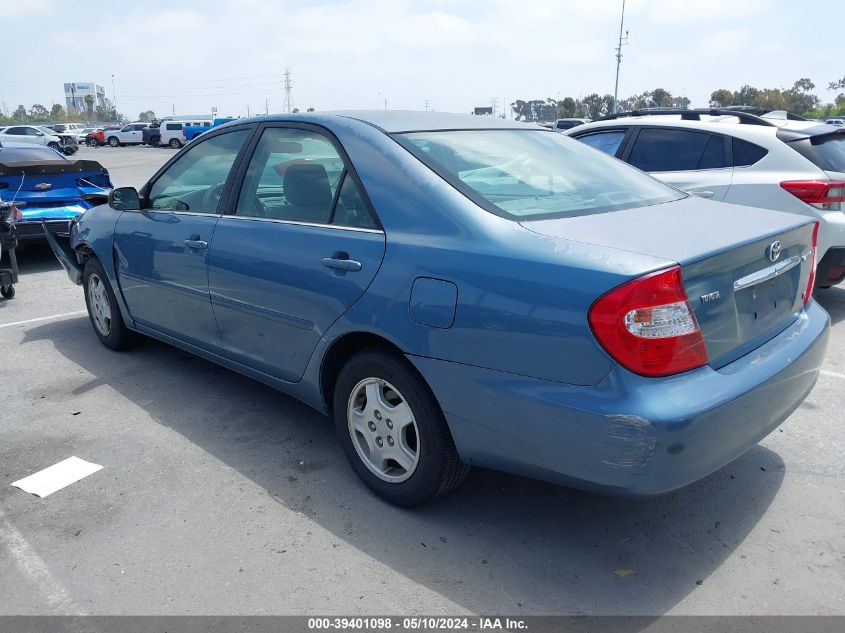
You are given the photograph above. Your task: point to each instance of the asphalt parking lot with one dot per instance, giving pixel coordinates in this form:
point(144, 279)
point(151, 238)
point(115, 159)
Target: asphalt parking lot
point(219, 495)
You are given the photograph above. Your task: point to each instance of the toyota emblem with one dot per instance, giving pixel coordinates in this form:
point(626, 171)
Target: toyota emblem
point(773, 251)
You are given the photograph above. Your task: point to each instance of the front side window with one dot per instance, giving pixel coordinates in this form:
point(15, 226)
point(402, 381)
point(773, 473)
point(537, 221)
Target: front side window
point(608, 142)
point(659, 149)
point(533, 174)
point(298, 175)
point(196, 180)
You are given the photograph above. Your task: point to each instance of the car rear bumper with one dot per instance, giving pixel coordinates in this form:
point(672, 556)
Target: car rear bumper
point(32, 231)
point(831, 269)
point(628, 434)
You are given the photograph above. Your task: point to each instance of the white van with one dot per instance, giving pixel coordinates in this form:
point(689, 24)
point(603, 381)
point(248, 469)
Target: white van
point(173, 132)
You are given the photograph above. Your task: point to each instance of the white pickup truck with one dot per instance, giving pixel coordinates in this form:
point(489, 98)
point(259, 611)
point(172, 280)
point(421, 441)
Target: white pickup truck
point(127, 135)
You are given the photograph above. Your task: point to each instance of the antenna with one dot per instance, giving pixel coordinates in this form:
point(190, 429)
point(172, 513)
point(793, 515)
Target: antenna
point(622, 42)
point(288, 88)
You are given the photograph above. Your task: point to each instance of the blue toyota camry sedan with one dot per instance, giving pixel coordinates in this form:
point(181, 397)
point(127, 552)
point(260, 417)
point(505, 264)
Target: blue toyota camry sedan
point(458, 290)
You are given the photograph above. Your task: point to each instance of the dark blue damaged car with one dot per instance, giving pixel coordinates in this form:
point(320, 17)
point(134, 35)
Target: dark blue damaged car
point(459, 290)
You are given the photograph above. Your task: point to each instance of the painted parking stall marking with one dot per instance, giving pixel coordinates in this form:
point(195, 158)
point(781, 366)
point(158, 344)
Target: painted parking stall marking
point(46, 482)
point(52, 317)
point(832, 374)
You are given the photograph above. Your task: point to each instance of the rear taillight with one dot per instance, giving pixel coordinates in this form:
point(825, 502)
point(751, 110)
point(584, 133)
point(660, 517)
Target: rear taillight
point(811, 281)
point(819, 193)
point(648, 326)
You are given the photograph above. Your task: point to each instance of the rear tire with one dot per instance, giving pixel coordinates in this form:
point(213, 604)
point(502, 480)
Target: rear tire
point(8, 293)
point(155, 141)
point(55, 146)
point(103, 310)
point(427, 464)
point(175, 143)
point(91, 142)
point(114, 141)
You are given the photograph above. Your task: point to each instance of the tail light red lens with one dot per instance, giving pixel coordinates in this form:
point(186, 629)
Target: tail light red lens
point(816, 192)
point(648, 326)
point(811, 281)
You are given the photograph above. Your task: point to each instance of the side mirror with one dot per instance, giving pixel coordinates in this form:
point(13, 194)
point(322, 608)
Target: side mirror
point(125, 199)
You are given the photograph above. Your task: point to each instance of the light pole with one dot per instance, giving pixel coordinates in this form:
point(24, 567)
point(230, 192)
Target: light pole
point(619, 59)
point(113, 98)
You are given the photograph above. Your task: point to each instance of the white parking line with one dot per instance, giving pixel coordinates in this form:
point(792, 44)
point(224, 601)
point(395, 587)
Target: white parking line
point(35, 570)
point(46, 318)
point(832, 374)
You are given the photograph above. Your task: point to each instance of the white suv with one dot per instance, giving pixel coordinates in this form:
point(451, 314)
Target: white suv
point(793, 166)
point(127, 135)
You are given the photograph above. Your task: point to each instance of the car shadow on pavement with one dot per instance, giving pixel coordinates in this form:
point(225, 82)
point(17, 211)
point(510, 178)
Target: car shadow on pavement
point(498, 544)
point(832, 300)
point(37, 258)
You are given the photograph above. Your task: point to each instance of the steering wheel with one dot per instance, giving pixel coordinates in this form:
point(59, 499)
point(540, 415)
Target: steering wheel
point(211, 197)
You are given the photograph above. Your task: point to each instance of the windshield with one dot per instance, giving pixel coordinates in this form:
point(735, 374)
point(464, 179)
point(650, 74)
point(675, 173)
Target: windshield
point(47, 131)
point(534, 174)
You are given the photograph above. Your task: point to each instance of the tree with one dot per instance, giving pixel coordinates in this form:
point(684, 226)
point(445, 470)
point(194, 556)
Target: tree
point(661, 98)
point(799, 99)
point(310, 110)
point(39, 114)
point(595, 105)
point(568, 106)
point(682, 103)
point(20, 115)
point(89, 106)
point(57, 113)
point(721, 98)
point(747, 95)
point(146, 116)
point(836, 85)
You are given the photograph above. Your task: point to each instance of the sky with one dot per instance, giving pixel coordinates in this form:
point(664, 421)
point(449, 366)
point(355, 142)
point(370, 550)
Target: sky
point(451, 55)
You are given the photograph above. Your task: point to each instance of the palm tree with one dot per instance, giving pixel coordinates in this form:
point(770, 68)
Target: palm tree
point(89, 103)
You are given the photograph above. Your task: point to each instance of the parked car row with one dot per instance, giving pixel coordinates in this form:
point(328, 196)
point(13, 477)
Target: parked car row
point(458, 290)
point(769, 162)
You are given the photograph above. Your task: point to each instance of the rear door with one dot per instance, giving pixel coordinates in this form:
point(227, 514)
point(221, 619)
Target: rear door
point(693, 161)
point(298, 246)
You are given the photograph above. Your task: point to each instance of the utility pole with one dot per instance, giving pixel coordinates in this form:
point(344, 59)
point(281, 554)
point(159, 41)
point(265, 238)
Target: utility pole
point(494, 103)
point(266, 106)
point(385, 104)
point(288, 88)
point(619, 58)
point(426, 105)
point(113, 97)
point(247, 110)
point(173, 109)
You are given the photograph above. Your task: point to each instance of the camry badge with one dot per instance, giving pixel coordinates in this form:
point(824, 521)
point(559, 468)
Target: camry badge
point(773, 251)
point(710, 297)
point(43, 185)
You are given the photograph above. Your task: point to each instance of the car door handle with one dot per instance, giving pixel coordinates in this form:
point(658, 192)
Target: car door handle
point(702, 194)
point(197, 244)
point(342, 263)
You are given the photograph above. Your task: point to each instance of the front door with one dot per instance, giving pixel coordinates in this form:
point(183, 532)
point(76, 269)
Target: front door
point(299, 247)
point(162, 250)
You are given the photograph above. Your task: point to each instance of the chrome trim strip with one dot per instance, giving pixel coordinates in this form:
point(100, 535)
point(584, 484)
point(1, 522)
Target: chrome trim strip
point(298, 223)
point(767, 273)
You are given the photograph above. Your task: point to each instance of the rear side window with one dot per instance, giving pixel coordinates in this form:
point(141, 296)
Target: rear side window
point(174, 126)
point(827, 152)
point(608, 142)
point(668, 150)
point(746, 153)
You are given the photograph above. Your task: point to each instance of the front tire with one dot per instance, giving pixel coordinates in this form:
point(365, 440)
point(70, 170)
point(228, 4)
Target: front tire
point(393, 432)
point(55, 146)
point(8, 292)
point(103, 310)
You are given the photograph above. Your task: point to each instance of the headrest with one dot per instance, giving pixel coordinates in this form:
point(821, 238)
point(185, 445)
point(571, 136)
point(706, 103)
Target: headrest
point(307, 185)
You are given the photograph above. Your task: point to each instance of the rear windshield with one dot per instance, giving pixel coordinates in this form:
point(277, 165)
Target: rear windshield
point(28, 154)
point(534, 174)
point(827, 152)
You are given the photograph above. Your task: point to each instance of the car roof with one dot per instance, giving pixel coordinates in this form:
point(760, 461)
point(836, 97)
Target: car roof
point(396, 121)
point(31, 147)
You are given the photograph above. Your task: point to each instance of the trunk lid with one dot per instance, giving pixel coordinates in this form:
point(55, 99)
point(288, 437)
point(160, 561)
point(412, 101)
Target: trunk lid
point(741, 296)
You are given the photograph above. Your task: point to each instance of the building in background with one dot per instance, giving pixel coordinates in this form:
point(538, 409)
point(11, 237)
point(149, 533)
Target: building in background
point(75, 94)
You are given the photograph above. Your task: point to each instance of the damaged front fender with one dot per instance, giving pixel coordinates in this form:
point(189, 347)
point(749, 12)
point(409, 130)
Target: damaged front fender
point(60, 244)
